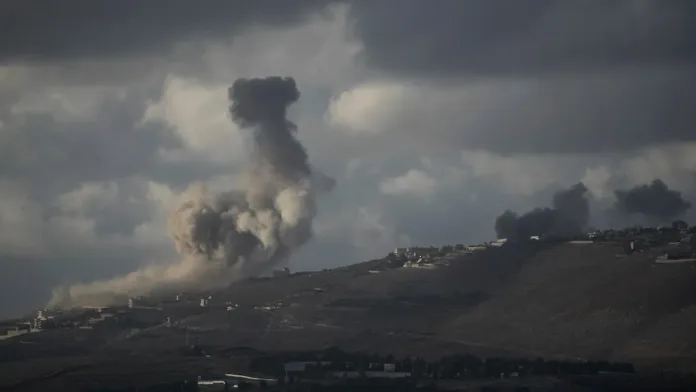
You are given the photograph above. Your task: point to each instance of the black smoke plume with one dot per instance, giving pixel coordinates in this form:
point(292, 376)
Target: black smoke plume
point(655, 201)
point(568, 216)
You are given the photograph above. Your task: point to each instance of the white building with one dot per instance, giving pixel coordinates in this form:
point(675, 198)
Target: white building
point(138, 302)
point(45, 314)
point(499, 242)
point(401, 251)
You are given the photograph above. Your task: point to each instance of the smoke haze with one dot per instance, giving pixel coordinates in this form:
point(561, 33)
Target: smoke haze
point(245, 231)
point(655, 201)
point(569, 216)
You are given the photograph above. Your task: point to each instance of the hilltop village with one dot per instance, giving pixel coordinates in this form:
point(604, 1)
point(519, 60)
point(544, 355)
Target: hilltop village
point(673, 244)
point(676, 242)
point(387, 302)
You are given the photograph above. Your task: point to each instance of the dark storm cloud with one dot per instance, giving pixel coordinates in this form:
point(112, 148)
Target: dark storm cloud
point(579, 114)
point(540, 76)
point(58, 30)
point(654, 201)
point(535, 36)
point(451, 36)
point(569, 216)
point(606, 113)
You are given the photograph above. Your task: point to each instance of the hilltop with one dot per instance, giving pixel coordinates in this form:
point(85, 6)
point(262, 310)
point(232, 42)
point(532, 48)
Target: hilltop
point(578, 300)
point(587, 301)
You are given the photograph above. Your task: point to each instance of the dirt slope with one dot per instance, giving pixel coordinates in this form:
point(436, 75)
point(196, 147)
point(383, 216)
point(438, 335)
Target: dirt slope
point(564, 300)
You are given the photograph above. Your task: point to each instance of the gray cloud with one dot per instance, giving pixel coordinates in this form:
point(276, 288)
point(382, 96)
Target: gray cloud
point(49, 155)
point(587, 113)
point(544, 76)
point(40, 31)
point(121, 215)
point(538, 36)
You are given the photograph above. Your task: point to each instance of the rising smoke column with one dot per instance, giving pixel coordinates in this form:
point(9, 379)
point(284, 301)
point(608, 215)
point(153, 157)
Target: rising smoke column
point(569, 216)
point(654, 200)
point(242, 232)
point(572, 210)
point(270, 214)
point(506, 225)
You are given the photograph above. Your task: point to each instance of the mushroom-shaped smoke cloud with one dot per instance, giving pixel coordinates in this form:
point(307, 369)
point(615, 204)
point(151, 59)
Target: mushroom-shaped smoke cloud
point(245, 231)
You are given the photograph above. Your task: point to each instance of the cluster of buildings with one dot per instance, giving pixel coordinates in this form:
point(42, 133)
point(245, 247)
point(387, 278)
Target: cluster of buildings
point(334, 367)
point(15, 329)
point(87, 317)
point(139, 311)
point(650, 235)
point(677, 242)
point(432, 257)
point(312, 371)
point(295, 371)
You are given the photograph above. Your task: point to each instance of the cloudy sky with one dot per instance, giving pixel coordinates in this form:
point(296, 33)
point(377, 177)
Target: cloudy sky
point(433, 117)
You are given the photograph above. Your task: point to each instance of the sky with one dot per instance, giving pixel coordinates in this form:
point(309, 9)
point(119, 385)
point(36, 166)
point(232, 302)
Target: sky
point(432, 117)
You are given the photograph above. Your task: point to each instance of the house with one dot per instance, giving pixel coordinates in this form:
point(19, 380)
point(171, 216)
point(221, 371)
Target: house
point(139, 303)
point(499, 242)
point(46, 314)
point(375, 374)
point(420, 263)
point(400, 251)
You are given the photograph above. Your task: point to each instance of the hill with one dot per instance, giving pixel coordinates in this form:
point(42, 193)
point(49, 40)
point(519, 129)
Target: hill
point(565, 300)
point(537, 299)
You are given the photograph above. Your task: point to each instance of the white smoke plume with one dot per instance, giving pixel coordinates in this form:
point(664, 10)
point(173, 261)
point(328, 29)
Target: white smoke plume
point(240, 233)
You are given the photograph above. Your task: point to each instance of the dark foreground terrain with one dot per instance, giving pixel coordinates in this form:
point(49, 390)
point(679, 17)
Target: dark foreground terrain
point(564, 301)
